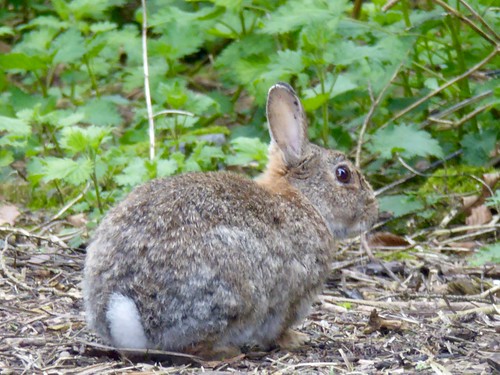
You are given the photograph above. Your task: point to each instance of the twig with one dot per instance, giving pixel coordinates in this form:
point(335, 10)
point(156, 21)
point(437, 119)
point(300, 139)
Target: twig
point(489, 292)
point(395, 305)
point(371, 112)
point(435, 117)
point(451, 297)
point(443, 87)
point(389, 5)
point(467, 21)
point(466, 236)
point(6, 270)
point(480, 19)
point(465, 228)
point(65, 208)
point(472, 114)
point(147, 92)
point(409, 177)
point(174, 112)
point(490, 309)
point(52, 239)
point(368, 251)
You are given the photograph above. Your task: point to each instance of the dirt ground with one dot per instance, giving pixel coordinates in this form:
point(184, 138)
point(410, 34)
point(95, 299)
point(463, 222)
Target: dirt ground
point(426, 314)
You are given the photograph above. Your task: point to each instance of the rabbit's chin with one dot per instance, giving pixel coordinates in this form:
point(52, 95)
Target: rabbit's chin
point(342, 231)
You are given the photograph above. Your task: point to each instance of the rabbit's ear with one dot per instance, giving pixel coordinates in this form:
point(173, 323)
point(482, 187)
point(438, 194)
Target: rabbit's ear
point(287, 122)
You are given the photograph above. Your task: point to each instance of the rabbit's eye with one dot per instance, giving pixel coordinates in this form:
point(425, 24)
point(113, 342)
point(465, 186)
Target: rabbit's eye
point(343, 174)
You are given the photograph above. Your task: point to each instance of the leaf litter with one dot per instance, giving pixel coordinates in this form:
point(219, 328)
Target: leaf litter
point(415, 307)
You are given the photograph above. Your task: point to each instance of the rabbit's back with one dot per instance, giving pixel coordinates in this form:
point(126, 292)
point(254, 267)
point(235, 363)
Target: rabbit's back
point(206, 254)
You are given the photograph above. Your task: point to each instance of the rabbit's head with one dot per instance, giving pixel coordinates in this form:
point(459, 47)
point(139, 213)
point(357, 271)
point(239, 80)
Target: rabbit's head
point(327, 178)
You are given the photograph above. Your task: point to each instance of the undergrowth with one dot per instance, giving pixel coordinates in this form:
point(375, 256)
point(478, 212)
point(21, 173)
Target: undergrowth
point(400, 89)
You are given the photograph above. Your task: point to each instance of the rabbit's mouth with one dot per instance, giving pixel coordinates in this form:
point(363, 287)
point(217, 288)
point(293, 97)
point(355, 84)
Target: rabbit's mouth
point(340, 231)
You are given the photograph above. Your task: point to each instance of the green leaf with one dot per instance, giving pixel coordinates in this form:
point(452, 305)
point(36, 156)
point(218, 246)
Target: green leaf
point(234, 5)
point(101, 27)
point(297, 13)
point(400, 205)
point(69, 47)
point(71, 171)
point(76, 139)
point(134, 173)
point(20, 61)
point(494, 201)
point(6, 157)
point(314, 102)
point(101, 112)
point(248, 151)
point(6, 30)
point(478, 146)
point(407, 140)
point(487, 254)
point(166, 168)
point(14, 126)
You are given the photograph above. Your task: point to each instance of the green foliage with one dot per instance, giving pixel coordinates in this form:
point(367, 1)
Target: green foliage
point(487, 254)
point(461, 179)
point(73, 118)
point(405, 140)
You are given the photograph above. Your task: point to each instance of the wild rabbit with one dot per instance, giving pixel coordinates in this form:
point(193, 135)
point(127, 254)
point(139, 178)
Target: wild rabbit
point(208, 263)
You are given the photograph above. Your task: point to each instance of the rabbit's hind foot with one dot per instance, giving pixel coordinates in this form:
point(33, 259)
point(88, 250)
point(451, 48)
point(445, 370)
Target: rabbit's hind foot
point(210, 353)
point(292, 339)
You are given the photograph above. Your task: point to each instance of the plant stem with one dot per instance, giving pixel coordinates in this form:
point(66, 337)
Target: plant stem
point(406, 84)
point(356, 10)
point(324, 109)
point(242, 22)
point(93, 81)
point(406, 13)
point(96, 187)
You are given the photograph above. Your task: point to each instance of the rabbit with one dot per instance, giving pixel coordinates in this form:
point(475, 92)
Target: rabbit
point(212, 263)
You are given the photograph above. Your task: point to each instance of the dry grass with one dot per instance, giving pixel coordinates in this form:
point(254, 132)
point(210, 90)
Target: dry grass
point(433, 315)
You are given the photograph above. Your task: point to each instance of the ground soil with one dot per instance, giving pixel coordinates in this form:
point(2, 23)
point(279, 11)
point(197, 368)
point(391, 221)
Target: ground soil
point(426, 314)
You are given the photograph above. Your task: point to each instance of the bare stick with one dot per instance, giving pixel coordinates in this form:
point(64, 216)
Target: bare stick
point(174, 112)
point(147, 92)
point(65, 208)
point(456, 107)
point(371, 112)
point(474, 113)
point(409, 177)
point(389, 5)
point(491, 309)
point(467, 21)
point(445, 86)
point(480, 19)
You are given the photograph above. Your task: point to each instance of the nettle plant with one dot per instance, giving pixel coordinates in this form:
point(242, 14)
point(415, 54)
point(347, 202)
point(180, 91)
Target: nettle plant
point(73, 115)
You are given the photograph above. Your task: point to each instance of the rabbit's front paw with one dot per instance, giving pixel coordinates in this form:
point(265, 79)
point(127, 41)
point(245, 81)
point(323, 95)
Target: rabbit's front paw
point(291, 339)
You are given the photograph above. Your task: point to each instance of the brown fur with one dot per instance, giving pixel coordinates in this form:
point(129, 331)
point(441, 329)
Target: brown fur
point(216, 261)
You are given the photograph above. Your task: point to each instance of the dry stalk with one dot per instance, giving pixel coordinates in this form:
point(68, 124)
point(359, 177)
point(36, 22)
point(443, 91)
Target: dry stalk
point(480, 19)
point(464, 19)
point(445, 86)
point(173, 112)
point(436, 117)
point(472, 115)
point(409, 177)
point(490, 309)
point(147, 92)
point(65, 208)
